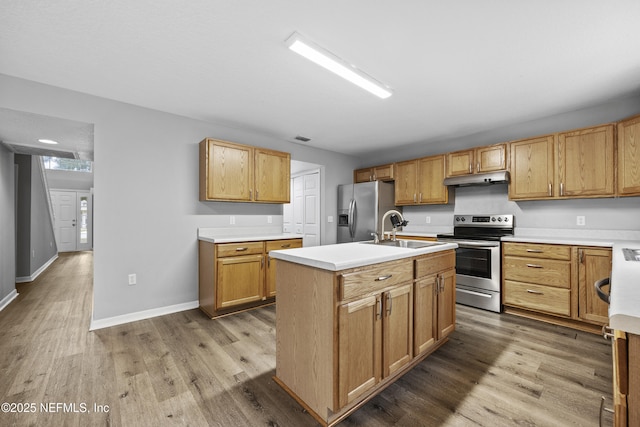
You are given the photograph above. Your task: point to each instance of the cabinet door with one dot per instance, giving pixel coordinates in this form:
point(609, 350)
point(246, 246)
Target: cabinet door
point(430, 177)
point(585, 162)
point(532, 169)
point(424, 311)
point(491, 158)
point(397, 328)
point(595, 264)
point(405, 182)
point(359, 347)
point(383, 173)
point(629, 157)
point(229, 171)
point(239, 280)
point(272, 177)
point(273, 245)
point(460, 163)
point(362, 175)
point(446, 303)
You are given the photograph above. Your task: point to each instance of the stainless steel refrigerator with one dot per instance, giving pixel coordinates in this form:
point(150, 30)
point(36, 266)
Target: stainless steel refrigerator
point(360, 210)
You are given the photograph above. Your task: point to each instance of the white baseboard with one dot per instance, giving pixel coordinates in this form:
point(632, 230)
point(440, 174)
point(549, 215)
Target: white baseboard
point(34, 276)
point(141, 315)
point(7, 300)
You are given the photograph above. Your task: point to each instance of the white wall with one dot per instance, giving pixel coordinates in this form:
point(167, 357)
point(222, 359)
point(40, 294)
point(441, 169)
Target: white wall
point(7, 228)
point(146, 193)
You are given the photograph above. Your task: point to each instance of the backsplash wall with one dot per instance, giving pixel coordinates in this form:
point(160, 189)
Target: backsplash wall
point(605, 218)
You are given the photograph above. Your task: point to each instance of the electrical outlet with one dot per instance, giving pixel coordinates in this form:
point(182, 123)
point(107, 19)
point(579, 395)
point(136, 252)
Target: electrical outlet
point(428, 220)
point(330, 218)
point(232, 220)
point(132, 279)
point(580, 220)
point(269, 219)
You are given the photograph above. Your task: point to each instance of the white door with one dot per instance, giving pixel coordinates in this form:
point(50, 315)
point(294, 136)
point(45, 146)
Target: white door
point(311, 223)
point(298, 205)
point(72, 224)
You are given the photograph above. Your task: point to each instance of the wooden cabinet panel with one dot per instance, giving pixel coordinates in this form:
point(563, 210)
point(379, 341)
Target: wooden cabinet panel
point(446, 303)
point(362, 175)
point(547, 299)
point(491, 158)
point(541, 271)
point(586, 162)
point(375, 173)
point(460, 163)
point(537, 250)
point(228, 171)
point(594, 264)
point(242, 173)
point(397, 328)
point(629, 157)
point(272, 172)
point(406, 183)
point(360, 349)
point(430, 185)
point(274, 245)
point(425, 314)
point(239, 280)
point(532, 168)
point(435, 263)
point(241, 248)
point(374, 279)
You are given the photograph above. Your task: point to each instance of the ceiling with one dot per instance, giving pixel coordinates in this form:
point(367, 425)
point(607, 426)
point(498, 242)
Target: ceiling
point(455, 68)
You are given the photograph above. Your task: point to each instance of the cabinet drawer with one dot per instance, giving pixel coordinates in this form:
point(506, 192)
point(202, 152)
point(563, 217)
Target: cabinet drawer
point(241, 248)
point(541, 271)
point(434, 263)
point(371, 280)
point(539, 298)
point(537, 250)
point(274, 245)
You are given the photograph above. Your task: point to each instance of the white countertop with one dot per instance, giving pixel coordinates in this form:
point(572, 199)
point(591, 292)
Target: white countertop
point(349, 255)
point(624, 309)
point(216, 235)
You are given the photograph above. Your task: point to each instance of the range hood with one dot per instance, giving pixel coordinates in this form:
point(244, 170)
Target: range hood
point(500, 177)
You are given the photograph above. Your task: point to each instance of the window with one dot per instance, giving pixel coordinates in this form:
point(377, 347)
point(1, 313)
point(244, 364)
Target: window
point(57, 163)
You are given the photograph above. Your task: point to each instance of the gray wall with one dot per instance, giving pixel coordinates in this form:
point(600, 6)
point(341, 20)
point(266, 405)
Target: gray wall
point(35, 236)
point(146, 208)
point(7, 222)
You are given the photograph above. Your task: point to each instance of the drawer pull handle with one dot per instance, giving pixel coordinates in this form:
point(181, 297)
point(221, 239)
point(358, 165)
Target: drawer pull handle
point(288, 245)
point(241, 249)
point(535, 292)
point(534, 251)
point(607, 332)
point(534, 266)
point(381, 278)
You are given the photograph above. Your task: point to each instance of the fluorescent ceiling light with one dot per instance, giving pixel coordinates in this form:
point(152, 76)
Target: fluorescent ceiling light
point(47, 141)
point(331, 62)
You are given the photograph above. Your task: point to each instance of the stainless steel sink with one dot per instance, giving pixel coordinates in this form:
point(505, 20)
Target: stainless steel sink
point(411, 244)
point(631, 254)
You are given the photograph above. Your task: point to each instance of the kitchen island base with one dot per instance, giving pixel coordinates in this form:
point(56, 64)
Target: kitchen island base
point(343, 336)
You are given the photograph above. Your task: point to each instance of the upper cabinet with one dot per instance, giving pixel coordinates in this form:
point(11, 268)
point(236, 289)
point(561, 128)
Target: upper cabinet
point(532, 171)
point(629, 157)
point(242, 173)
point(578, 163)
point(478, 160)
point(376, 173)
point(420, 181)
point(586, 162)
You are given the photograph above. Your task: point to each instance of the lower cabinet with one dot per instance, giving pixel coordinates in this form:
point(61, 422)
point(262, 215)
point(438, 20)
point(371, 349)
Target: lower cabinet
point(343, 336)
point(555, 282)
point(626, 378)
point(236, 276)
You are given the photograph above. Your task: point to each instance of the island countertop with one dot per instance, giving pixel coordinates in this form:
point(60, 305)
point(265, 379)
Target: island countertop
point(350, 255)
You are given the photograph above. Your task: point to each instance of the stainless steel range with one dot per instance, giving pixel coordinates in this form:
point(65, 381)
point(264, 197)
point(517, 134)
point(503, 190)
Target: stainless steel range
point(478, 258)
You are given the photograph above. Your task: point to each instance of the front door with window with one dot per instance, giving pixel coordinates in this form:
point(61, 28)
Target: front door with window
point(72, 222)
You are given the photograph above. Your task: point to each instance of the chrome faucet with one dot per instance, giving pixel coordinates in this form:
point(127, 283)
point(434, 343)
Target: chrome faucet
point(403, 222)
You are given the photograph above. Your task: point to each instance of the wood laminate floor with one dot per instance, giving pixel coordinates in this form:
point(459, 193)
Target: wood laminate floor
point(185, 369)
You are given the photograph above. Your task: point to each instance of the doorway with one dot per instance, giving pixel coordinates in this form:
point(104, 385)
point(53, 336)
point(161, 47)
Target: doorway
point(302, 215)
point(73, 220)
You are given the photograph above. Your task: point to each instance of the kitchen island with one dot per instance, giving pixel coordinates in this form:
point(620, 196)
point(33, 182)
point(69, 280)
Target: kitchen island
point(352, 318)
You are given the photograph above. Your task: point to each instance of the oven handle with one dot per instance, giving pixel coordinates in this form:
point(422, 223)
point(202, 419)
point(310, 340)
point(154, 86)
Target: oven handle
point(478, 294)
point(470, 244)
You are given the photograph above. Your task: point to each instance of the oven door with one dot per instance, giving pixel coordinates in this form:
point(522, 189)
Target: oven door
point(478, 264)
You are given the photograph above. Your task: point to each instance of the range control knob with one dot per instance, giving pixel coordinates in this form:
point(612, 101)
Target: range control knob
point(506, 219)
point(499, 219)
point(462, 219)
point(493, 219)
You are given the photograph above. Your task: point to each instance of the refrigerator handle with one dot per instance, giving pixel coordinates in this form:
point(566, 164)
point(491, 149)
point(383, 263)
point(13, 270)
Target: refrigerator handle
point(352, 216)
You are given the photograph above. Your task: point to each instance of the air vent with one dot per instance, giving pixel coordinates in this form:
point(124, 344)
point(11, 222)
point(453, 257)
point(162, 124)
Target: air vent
point(302, 138)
